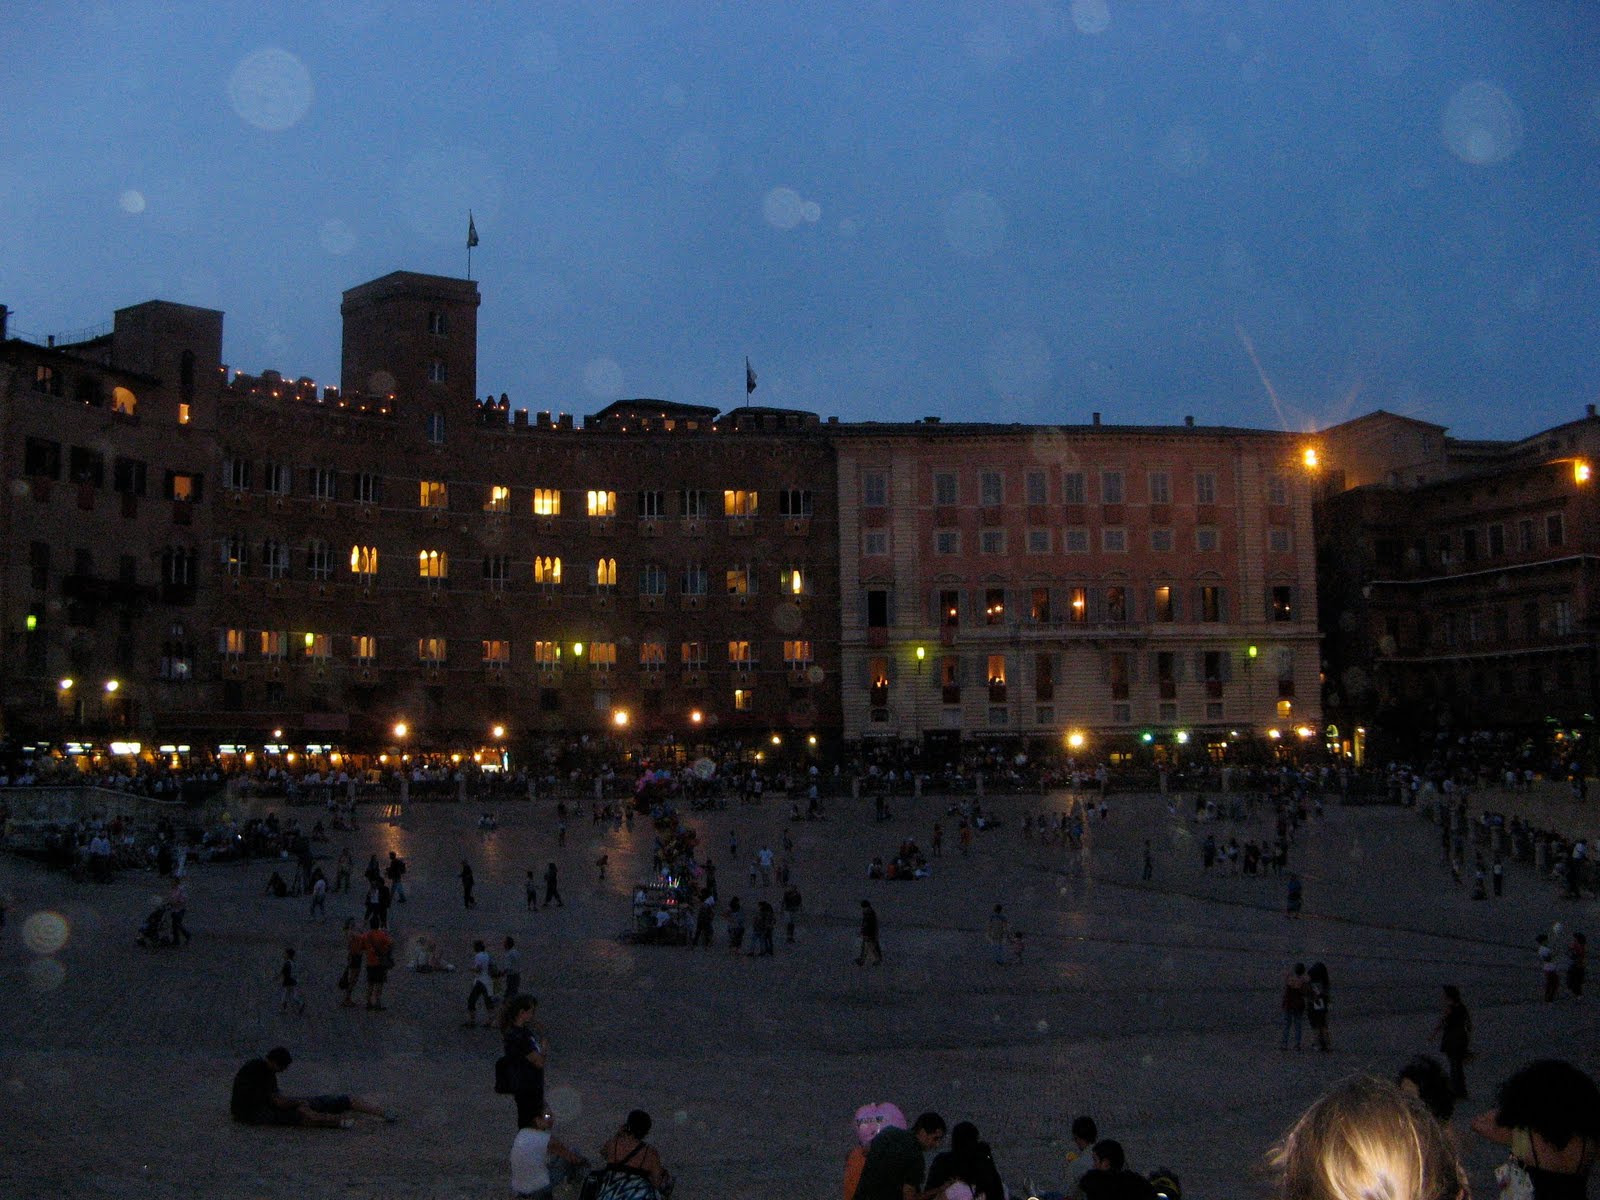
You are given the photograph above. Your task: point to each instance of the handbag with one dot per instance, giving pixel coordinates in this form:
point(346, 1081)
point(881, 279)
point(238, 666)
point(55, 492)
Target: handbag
point(619, 1181)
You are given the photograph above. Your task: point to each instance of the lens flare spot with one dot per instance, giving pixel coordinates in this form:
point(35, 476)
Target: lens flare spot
point(783, 208)
point(46, 932)
point(131, 201)
point(46, 974)
point(271, 89)
point(565, 1103)
point(1482, 125)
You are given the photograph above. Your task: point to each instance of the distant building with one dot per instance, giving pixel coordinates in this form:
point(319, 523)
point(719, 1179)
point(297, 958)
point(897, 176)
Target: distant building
point(1458, 578)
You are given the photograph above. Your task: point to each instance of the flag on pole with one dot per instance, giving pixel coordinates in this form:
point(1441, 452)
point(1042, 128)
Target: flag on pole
point(472, 231)
point(749, 378)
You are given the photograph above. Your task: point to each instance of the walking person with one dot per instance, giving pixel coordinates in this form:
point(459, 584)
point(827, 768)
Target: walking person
point(319, 893)
point(341, 871)
point(1547, 968)
point(396, 873)
point(1577, 963)
point(869, 936)
point(1497, 873)
point(291, 984)
point(1294, 1005)
point(177, 909)
point(465, 875)
point(766, 921)
point(530, 892)
point(378, 948)
point(1317, 1005)
point(791, 909)
point(510, 969)
point(482, 987)
point(355, 946)
point(1455, 1038)
point(552, 890)
point(1295, 897)
point(997, 933)
point(938, 840)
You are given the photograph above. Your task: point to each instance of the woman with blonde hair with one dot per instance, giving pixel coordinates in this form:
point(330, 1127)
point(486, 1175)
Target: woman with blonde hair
point(1366, 1140)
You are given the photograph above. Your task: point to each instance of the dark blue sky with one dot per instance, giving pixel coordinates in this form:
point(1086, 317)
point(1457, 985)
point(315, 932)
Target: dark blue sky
point(999, 211)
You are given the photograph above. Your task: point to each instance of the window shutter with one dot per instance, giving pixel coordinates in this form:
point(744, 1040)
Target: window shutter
point(1225, 668)
point(1200, 664)
point(1222, 604)
point(1177, 603)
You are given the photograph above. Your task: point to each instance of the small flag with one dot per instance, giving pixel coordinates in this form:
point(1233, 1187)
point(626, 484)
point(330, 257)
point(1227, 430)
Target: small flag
point(472, 232)
point(749, 378)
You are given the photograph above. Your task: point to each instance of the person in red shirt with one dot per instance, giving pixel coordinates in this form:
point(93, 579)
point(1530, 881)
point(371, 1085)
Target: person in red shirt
point(379, 947)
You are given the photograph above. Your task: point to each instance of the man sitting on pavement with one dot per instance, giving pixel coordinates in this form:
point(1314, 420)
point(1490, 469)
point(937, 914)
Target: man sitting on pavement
point(257, 1100)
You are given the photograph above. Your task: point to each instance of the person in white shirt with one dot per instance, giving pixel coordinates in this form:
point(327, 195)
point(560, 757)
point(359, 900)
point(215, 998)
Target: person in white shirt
point(482, 986)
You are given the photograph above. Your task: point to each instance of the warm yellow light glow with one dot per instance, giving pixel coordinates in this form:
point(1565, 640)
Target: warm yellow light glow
point(697, 716)
point(811, 739)
point(1075, 739)
point(777, 740)
point(577, 649)
point(1182, 736)
point(455, 758)
point(277, 734)
point(66, 685)
point(291, 756)
point(620, 718)
point(1310, 459)
point(311, 640)
point(112, 685)
point(1305, 731)
point(400, 729)
point(922, 653)
point(1274, 734)
point(1580, 471)
point(499, 731)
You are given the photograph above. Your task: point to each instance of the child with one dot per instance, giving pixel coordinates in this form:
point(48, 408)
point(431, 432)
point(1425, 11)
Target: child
point(291, 984)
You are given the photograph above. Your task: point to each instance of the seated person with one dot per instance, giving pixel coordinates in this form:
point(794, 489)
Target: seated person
point(876, 869)
point(627, 1149)
point(277, 887)
point(257, 1101)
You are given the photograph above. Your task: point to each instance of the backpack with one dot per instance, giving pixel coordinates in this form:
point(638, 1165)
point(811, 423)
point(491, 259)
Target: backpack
point(1165, 1182)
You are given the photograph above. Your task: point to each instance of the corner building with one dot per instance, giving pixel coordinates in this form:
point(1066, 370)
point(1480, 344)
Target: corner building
point(1121, 585)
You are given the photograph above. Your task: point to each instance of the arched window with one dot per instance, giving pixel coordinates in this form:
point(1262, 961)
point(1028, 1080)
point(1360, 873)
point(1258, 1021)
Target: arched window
point(123, 401)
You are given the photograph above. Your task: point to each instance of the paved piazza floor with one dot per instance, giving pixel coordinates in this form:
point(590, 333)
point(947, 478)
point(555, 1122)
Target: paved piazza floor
point(1152, 1006)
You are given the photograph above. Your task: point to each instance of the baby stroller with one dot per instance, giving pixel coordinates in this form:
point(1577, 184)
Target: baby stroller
point(150, 932)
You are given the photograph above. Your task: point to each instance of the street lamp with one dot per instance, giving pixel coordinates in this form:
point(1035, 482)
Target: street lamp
point(401, 729)
point(619, 718)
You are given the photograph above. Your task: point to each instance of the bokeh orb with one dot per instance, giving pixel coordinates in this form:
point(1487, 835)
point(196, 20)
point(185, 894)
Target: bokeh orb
point(1481, 124)
point(46, 932)
point(270, 89)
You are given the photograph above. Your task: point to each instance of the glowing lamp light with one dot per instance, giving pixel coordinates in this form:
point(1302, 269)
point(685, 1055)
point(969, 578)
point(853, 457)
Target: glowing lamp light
point(1147, 737)
point(1309, 457)
point(1580, 474)
point(112, 685)
point(922, 653)
point(1181, 737)
point(1075, 739)
point(499, 731)
point(696, 716)
point(811, 739)
point(277, 734)
point(1274, 734)
point(32, 622)
point(1305, 731)
point(400, 729)
point(777, 739)
point(1252, 651)
point(577, 649)
point(620, 718)
point(65, 685)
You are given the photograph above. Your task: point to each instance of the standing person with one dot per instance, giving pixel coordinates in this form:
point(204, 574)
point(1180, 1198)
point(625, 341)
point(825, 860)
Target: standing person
point(1295, 897)
point(938, 840)
point(373, 873)
point(523, 1038)
point(530, 892)
point(869, 936)
point(552, 890)
point(766, 921)
point(378, 947)
point(894, 1167)
point(964, 836)
point(1317, 1005)
point(511, 968)
point(482, 986)
point(1497, 873)
point(319, 893)
point(465, 875)
point(1577, 963)
point(177, 909)
point(735, 925)
point(1547, 968)
point(791, 909)
point(355, 947)
point(396, 872)
point(997, 932)
point(764, 865)
point(290, 983)
point(1294, 1005)
point(1455, 1038)
point(1548, 1113)
point(341, 871)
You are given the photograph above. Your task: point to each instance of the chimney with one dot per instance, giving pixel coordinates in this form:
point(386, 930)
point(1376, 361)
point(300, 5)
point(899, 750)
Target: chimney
point(1588, 407)
point(1096, 417)
point(520, 418)
point(1188, 421)
point(542, 419)
point(6, 312)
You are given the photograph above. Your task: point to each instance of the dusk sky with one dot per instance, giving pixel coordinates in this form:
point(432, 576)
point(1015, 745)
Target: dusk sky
point(1010, 211)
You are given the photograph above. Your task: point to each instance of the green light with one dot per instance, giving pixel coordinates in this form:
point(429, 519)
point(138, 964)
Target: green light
point(1251, 651)
point(1147, 737)
point(32, 622)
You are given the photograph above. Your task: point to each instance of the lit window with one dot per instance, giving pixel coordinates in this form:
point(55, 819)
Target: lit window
point(653, 655)
point(319, 646)
point(692, 655)
point(793, 582)
point(433, 564)
point(547, 570)
point(233, 642)
point(738, 579)
point(739, 654)
point(181, 486)
point(603, 654)
point(499, 499)
point(546, 502)
point(272, 643)
point(547, 654)
point(433, 494)
point(605, 573)
point(997, 670)
point(431, 650)
point(363, 647)
point(1078, 605)
point(1163, 607)
point(797, 654)
point(235, 554)
point(183, 413)
point(496, 651)
point(602, 503)
point(994, 606)
point(364, 560)
point(739, 503)
point(744, 699)
point(123, 401)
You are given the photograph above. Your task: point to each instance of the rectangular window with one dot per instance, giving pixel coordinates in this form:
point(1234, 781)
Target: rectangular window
point(738, 502)
point(497, 499)
point(1278, 490)
point(496, 570)
point(1205, 488)
point(875, 543)
point(797, 655)
point(319, 559)
point(1525, 535)
point(432, 493)
point(738, 581)
point(1072, 487)
point(794, 502)
point(603, 654)
point(949, 609)
point(436, 324)
point(696, 580)
point(1111, 487)
point(236, 474)
point(433, 564)
point(874, 489)
point(432, 650)
point(1161, 541)
point(877, 608)
point(1205, 539)
point(41, 458)
point(86, 466)
point(994, 606)
point(547, 655)
point(991, 541)
point(1162, 608)
point(275, 478)
point(1037, 487)
point(739, 655)
point(1554, 530)
point(947, 541)
point(233, 642)
point(547, 570)
point(1116, 604)
point(128, 476)
point(1044, 677)
point(496, 652)
point(744, 699)
point(792, 581)
point(950, 679)
point(1075, 541)
point(1277, 540)
point(47, 380)
point(273, 642)
point(235, 554)
point(653, 656)
point(696, 502)
point(324, 483)
point(991, 489)
point(435, 424)
point(546, 502)
point(878, 682)
point(437, 373)
point(601, 503)
point(319, 646)
point(1118, 674)
point(945, 489)
point(1038, 541)
point(1562, 617)
point(366, 487)
point(1114, 541)
point(652, 580)
point(1469, 545)
point(1281, 603)
point(995, 669)
point(1160, 487)
point(274, 559)
point(1078, 605)
point(652, 504)
point(1039, 605)
point(692, 656)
